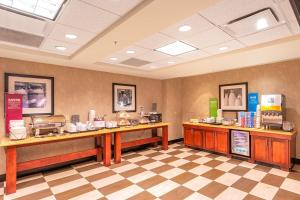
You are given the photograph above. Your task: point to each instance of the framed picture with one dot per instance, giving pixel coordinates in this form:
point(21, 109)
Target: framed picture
point(38, 92)
point(124, 97)
point(233, 97)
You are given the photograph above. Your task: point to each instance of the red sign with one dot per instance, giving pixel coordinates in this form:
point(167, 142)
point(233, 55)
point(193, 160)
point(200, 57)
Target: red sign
point(13, 109)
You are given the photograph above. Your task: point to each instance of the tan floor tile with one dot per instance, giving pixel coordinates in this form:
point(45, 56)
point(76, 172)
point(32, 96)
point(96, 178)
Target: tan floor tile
point(188, 166)
point(132, 172)
point(114, 187)
point(145, 162)
point(37, 195)
point(183, 178)
point(64, 180)
point(273, 180)
point(143, 196)
point(177, 194)
point(213, 174)
point(213, 163)
point(89, 167)
point(31, 183)
point(286, 195)
point(294, 175)
point(74, 192)
point(239, 170)
point(251, 197)
point(155, 180)
point(212, 190)
point(1, 197)
point(192, 157)
point(161, 169)
point(100, 176)
point(244, 184)
point(168, 160)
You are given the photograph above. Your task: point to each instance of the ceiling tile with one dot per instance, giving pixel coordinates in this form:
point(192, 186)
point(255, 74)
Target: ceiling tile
point(155, 41)
point(194, 55)
point(228, 10)
point(225, 47)
point(153, 56)
point(87, 17)
point(138, 51)
point(266, 36)
point(197, 24)
point(50, 44)
point(60, 31)
point(119, 7)
point(208, 38)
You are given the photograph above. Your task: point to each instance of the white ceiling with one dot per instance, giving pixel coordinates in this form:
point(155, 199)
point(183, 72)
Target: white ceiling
point(109, 28)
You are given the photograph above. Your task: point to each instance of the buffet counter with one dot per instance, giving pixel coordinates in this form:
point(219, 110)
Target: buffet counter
point(12, 167)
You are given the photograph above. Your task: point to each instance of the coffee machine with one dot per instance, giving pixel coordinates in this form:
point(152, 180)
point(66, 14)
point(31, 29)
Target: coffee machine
point(273, 111)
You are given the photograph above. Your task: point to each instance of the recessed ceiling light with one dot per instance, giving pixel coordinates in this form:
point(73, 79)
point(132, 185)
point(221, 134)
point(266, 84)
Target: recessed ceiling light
point(223, 48)
point(113, 58)
point(176, 48)
point(61, 48)
point(184, 28)
point(261, 23)
point(47, 9)
point(171, 62)
point(71, 36)
point(130, 51)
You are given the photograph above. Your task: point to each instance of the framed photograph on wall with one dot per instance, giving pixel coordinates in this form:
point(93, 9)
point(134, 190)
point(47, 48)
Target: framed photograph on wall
point(124, 97)
point(37, 91)
point(233, 97)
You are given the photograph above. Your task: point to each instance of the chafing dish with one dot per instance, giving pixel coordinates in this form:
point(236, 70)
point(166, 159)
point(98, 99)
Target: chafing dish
point(47, 125)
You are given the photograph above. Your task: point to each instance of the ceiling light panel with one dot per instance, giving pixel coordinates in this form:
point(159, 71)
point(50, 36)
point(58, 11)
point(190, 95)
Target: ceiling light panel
point(252, 24)
point(224, 47)
point(43, 8)
point(176, 48)
point(198, 54)
point(153, 56)
point(196, 22)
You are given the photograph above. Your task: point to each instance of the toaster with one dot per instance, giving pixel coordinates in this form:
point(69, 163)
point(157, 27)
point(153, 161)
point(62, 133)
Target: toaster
point(45, 125)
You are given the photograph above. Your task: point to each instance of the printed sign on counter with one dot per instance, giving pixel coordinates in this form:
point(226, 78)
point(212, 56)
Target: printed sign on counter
point(13, 109)
point(252, 102)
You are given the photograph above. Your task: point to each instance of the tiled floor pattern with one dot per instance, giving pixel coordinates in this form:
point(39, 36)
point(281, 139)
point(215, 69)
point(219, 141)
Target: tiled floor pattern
point(178, 173)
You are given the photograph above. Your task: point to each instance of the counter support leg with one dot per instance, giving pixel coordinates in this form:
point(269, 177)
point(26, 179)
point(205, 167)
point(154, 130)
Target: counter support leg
point(99, 148)
point(154, 134)
point(118, 147)
point(11, 170)
point(165, 138)
point(107, 149)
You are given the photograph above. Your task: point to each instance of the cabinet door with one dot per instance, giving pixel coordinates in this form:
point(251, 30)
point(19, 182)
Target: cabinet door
point(188, 137)
point(198, 138)
point(260, 149)
point(279, 152)
point(209, 140)
point(221, 142)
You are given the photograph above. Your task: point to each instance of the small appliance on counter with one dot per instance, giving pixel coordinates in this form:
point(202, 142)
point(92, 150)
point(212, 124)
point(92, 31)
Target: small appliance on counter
point(17, 130)
point(48, 125)
point(273, 110)
point(155, 117)
point(288, 126)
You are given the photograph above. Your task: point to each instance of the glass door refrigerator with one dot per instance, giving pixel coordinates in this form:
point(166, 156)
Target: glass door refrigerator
point(240, 143)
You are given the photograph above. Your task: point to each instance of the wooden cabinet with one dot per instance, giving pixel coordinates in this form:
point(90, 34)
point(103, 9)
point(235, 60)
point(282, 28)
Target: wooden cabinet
point(260, 148)
point(221, 142)
point(279, 151)
point(193, 137)
point(209, 138)
point(188, 136)
point(198, 138)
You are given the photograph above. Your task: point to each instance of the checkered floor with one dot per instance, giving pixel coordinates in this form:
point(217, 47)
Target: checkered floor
point(178, 173)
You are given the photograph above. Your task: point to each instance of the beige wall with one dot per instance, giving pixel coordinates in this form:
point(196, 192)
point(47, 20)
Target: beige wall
point(283, 77)
point(76, 92)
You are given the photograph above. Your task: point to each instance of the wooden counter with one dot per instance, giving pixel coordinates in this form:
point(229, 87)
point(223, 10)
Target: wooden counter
point(270, 146)
point(12, 167)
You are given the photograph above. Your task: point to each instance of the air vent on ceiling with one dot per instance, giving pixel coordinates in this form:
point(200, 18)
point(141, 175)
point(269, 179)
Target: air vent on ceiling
point(251, 23)
point(20, 38)
point(135, 62)
point(296, 7)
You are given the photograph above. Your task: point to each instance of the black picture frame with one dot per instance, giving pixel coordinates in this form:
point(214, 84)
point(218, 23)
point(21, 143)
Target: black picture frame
point(245, 99)
point(7, 76)
point(114, 103)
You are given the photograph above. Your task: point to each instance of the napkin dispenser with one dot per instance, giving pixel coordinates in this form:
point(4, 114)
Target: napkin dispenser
point(45, 125)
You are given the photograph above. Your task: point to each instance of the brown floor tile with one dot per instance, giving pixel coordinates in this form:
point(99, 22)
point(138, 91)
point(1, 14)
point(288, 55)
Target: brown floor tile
point(296, 168)
point(238, 170)
point(212, 155)
point(192, 157)
point(234, 161)
point(212, 190)
point(168, 160)
point(273, 180)
point(173, 153)
point(213, 163)
point(1, 197)
point(57, 171)
point(161, 169)
point(251, 197)
point(184, 177)
point(31, 183)
point(64, 180)
point(213, 174)
point(132, 172)
point(131, 156)
point(113, 166)
point(188, 166)
point(145, 162)
point(262, 168)
point(286, 195)
point(244, 184)
point(194, 151)
point(143, 196)
point(155, 180)
point(37, 195)
point(294, 175)
point(89, 167)
point(115, 187)
point(99, 176)
point(177, 194)
point(151, 155)
point(74, 192)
